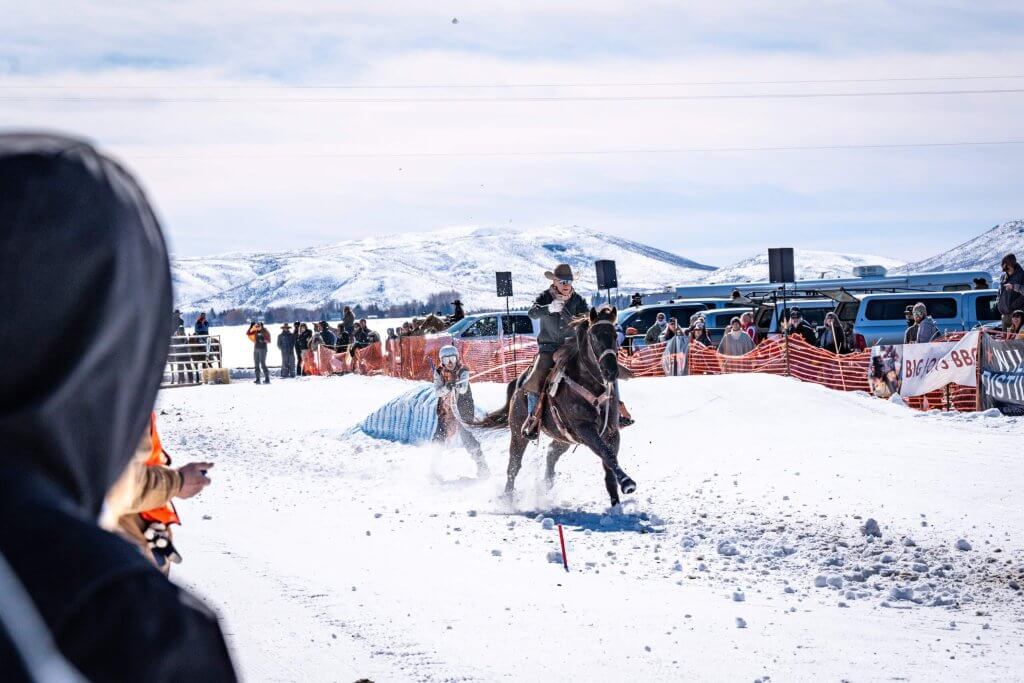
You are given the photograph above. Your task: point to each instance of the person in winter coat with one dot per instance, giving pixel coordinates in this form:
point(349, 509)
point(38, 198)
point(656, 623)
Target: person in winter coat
point(833, 336)
point(924, 329)
point(555, 308)
point(178, 323)
point(671, 330)
point(735, 342)
point(79, 235)
point(698, 331)
point(799, 326)
point(1011, 289)
point(302, 340)
point(138, 506)
point(286, 345)
point(202, 327)
point(260, 338)
point(348, 320)
point(655, 331)
point(327, 335)
point(748, 326)
point(459, 313)
point(296, 332)
point(455, 405)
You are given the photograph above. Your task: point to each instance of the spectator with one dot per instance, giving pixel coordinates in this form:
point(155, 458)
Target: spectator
point(631, 334)
point(655, 331)
point(303, 342)
point(459, 313)
point(1011, 289)
point(636, 301)
point(79, 234)
point(360, 338)
point(748, 326)
point(260, 338)
point(178, 324)
point(317, 340)
point(1017, 324)
point(924, 329)
point(698, 331)
point(348, 320)
point(833, 335)
point(797, 325)
point(391, 334)
point(138, 506)
point(980, 283)
point(327, 335)
point(286, 345)
point(343, 338)
point(202, 327)
point(671, 330)
point(735, 342)
point(297, 330)
point(908, 313)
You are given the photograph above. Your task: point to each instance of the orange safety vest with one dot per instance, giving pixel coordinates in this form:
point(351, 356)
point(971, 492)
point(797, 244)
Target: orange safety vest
point(165, 514)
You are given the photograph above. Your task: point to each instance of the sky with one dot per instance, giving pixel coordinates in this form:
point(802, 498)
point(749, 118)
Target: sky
point(260, 126)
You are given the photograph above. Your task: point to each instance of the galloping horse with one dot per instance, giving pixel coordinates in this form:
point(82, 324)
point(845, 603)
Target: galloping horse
point(583, 410)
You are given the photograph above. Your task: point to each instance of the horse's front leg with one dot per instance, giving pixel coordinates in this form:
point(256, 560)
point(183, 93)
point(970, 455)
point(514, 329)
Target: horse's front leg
point(608, 451)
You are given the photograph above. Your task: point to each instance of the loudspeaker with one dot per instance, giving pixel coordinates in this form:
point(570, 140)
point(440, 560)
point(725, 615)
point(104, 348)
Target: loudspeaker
point(606, 278)
point(780, 265)
point(504, 282)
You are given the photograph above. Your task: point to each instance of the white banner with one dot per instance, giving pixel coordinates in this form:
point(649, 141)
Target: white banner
point(916, 369)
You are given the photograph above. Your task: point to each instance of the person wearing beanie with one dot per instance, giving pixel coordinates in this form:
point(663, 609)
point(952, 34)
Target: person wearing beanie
point(1011, 289)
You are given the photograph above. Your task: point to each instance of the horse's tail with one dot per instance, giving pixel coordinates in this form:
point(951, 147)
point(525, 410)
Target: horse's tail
point(498, 419)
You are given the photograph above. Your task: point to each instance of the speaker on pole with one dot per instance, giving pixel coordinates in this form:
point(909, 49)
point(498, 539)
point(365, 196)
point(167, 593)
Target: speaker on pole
point(780, 265)
point(504, 282)
point(606, 278)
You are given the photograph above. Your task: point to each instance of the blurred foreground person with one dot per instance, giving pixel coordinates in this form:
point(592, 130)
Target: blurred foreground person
point(139, 505)
point(79, 235)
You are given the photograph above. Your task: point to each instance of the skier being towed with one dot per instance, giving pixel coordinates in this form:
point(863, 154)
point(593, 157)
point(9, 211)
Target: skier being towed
point(555, 308)
point(455, 405)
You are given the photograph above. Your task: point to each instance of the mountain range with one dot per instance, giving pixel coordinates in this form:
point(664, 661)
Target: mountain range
point(398, 269)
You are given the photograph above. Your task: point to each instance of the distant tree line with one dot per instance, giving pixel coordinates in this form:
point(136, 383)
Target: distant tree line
point(331, 310)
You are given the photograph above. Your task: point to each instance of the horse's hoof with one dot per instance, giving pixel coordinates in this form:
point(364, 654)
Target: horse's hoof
point(627, 485)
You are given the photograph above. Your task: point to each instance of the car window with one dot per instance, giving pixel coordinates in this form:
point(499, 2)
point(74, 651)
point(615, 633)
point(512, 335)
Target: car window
point(895, 308)
point(484, 327)
point(682, 313)
point(517, 324)
point(815, 317)
point(985, 308)
point(461, 325)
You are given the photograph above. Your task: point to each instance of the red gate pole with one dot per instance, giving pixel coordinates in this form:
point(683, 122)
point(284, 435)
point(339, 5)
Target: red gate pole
point(561, 538)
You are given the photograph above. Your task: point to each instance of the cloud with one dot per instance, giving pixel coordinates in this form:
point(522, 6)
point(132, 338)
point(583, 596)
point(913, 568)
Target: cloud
point(265, 174)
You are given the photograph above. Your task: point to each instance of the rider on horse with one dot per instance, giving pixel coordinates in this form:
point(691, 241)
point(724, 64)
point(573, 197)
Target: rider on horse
point(556, 307)
point(455, 405)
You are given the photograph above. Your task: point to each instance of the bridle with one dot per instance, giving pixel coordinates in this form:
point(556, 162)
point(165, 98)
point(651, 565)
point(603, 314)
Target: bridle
point(609, 387)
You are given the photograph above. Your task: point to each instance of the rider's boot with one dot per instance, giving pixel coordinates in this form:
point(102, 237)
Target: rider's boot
point(530, 427)
point(625, 419)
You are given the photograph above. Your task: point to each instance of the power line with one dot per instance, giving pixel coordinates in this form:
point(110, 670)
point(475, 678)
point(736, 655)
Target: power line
point(454, 86)
point(554, 98)
point(596, 152)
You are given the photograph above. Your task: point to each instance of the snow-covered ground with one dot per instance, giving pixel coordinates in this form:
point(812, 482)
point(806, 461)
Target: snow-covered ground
point(332, 556)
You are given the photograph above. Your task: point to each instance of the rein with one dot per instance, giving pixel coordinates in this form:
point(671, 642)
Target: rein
point(597, 401)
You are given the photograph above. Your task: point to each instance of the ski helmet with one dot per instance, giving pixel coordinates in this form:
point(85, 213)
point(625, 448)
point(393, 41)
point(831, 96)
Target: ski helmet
point(448, 351)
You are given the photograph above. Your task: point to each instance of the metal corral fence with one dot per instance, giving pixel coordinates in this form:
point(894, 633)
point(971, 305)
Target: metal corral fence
point(188, 356)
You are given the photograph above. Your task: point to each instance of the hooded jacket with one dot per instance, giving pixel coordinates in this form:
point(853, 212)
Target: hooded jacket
point(84, 259)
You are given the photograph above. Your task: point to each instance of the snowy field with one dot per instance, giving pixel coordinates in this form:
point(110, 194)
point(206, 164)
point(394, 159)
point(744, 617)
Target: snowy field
point(332, 556)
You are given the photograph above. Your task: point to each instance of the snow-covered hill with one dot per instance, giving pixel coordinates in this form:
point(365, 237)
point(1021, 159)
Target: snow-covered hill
point(401, 268)
point(984, 252)
point(810, 265)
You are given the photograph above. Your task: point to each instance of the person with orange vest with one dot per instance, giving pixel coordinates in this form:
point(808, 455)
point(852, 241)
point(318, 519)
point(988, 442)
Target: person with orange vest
point(139, 506)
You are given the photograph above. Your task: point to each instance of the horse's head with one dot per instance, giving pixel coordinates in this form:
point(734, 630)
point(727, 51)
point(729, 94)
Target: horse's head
point(603, 341)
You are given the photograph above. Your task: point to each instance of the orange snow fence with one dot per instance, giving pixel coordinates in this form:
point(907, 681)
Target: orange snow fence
point(503, 359)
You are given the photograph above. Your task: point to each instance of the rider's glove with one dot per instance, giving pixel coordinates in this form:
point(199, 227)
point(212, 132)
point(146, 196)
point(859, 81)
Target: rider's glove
point(556, 306)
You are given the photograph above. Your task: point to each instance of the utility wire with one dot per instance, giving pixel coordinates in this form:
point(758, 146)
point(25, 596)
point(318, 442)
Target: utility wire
point(554, 98)
point(597, 152)
point(445, 86)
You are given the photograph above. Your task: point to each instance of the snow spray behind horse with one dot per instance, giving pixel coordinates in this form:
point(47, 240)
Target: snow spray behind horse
point(581, 405)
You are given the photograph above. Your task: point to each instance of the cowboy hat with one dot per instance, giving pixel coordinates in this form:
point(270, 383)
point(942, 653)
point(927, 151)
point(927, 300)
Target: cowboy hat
point(286, 326)
point(562, 272)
